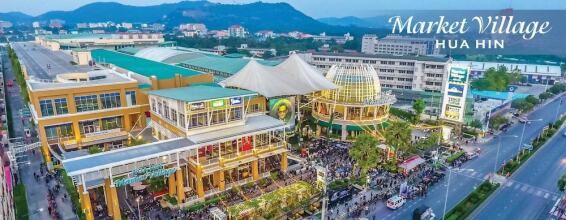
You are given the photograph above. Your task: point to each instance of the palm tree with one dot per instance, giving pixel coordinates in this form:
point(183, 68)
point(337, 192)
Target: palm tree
point(398, 136)
point(365, 152)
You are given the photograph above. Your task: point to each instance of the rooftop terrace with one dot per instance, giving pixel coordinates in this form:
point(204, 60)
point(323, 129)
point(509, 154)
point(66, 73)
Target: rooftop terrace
point(198, 93)
point(77, 80)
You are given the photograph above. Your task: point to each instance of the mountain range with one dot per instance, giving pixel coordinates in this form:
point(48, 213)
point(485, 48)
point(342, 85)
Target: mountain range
point(279, 17)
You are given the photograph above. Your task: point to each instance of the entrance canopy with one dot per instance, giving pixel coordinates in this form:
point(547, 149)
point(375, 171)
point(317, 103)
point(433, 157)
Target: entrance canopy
point(411, 163)
point(292, 77)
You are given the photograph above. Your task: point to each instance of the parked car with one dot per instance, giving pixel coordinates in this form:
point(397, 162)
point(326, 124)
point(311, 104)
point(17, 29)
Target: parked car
point(471, 155)
point(395, 202)
point(527, 146)
point(423, 213)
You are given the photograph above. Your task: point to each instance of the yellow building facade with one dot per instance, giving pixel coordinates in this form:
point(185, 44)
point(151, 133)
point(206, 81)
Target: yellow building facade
point(80, 110)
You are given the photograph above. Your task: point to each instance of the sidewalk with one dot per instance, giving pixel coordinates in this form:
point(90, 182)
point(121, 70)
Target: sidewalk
point(36, 192)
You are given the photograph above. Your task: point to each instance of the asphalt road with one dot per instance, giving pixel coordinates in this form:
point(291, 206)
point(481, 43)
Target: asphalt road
point(473, 172)
point(36, 58)
point(532, 190)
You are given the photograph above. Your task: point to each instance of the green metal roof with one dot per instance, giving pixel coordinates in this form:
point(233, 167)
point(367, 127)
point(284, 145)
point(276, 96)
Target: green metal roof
point(141, 66)
point(223, 64)
point(198, 93)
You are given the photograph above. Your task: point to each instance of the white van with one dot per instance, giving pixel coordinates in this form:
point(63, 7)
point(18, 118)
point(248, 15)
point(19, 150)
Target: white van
point(395, 202)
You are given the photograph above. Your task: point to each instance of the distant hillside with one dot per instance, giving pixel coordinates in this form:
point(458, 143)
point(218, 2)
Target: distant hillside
point(369, 22)
point(15, 17)
point(279, 17)
point(116, 12)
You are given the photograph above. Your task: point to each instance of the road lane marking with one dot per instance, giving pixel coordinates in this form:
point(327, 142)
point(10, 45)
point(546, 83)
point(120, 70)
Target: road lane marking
point(539, 193)
point(517, 186)
point(546, 195)
point(531, 190)
point(524, 188)
point(509, 183)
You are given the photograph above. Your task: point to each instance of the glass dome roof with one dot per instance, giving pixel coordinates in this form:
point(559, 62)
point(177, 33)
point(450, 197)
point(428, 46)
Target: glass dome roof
point(358, 83)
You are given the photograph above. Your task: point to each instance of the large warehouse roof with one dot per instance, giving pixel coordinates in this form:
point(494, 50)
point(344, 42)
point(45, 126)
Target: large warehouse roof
point(222, 64)
point(139, 65)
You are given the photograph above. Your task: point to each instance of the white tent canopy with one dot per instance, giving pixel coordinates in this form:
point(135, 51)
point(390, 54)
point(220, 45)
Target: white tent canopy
point(292, 77)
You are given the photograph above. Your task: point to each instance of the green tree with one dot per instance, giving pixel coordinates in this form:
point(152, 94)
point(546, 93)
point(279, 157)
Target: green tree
point(545, 95)
point(497, 79)
point(497, 121)
point(231, 50)
point(365, 152)
point(419, 106)
point(267, 54)
point(476, 124)
point(562, 183)
point(521, 105)
point(398, 136)
point(532, 99)
point(429, 142)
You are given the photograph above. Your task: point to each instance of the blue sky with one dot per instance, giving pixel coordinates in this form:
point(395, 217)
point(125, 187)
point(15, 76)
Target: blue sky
point(314, 8)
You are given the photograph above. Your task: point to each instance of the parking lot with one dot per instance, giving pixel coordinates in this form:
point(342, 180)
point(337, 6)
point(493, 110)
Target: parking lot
point(43, 63)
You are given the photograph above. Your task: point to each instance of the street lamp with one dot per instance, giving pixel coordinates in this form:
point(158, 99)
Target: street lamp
point(139, 212)
point(522, 135)
point(558, 108)
point(497, 154)
point(448, 186)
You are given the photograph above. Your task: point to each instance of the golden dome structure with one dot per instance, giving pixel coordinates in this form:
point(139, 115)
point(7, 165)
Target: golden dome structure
point(357, 105)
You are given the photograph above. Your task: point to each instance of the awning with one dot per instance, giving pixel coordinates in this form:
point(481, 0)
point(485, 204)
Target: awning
point(411, 163)
point(292, 77)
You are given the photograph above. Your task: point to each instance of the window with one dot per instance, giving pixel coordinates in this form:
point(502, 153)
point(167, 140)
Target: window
point(86, 103)
point(153, 107)
point(46, 107)
point(59, 131)
point(255, 108)
point(198, 120)
point(218, 116)
point(159, 108)
point(235, 114)
point(61, 106)
point(174, 115)
point(166, 110)
point(131, 98)
point(111, 123)
point(110, 100)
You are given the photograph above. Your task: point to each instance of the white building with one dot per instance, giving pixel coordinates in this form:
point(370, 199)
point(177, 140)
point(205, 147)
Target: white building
point(127, 25)
point(36, 24)
point(5, 24)
point(409, 77)
point(193, 27)
point(237, 31)
point(542, 74)
point(398, 45)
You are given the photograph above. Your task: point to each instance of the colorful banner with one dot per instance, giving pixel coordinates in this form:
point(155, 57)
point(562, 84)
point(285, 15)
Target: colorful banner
point(454, 100)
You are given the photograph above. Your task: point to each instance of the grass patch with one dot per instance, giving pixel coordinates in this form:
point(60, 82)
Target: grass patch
point(73, 193)
point(405, 115)
point(20, 202)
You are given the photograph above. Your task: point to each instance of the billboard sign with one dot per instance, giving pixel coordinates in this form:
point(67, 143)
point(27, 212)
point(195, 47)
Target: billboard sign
point(454, 100)
point(236, 101)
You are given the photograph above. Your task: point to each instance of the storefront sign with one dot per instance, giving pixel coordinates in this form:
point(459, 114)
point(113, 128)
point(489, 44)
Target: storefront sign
point(217, 103)
point(144, 173)
point(197, 106)
point(235, 101)
point(454, 101)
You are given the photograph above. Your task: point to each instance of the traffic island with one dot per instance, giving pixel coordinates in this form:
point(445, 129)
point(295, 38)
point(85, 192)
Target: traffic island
point(467, 206)
point(472, 201)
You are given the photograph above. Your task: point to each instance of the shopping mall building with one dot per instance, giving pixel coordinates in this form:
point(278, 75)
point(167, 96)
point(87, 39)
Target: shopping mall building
point(207, 138)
